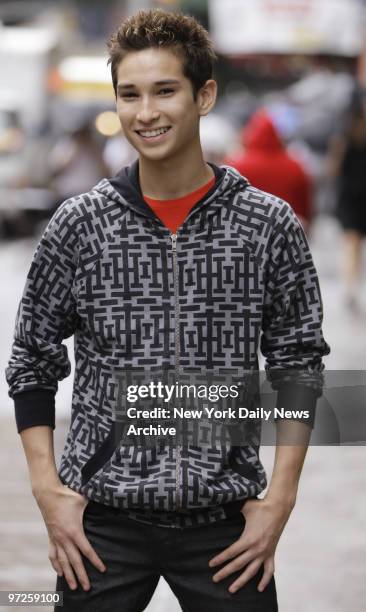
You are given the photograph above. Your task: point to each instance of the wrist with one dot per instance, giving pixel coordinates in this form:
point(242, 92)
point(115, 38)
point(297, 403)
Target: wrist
point(283, 500)
point(45, 485)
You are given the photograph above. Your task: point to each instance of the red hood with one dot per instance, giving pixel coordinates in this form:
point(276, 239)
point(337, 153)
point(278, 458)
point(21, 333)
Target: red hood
point(261, 134)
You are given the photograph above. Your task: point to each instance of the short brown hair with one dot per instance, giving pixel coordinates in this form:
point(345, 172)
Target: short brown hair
point(158, 28)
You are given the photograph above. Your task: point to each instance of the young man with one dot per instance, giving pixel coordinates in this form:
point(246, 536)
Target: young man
point(170, 265)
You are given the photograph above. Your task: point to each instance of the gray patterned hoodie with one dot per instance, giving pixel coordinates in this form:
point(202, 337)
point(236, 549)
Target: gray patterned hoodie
point(237, 275)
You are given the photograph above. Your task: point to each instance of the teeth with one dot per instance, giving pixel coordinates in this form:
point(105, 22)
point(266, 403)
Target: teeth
point(152, 133)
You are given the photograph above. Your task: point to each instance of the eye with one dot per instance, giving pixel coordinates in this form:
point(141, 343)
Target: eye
point(127, 95)
point(165, 91)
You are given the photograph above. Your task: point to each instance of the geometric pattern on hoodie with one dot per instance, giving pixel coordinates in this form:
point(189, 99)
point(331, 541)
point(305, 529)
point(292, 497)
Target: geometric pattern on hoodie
point(104, 272)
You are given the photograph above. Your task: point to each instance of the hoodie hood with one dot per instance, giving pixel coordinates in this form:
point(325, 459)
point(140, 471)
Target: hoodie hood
point(125, 189)
point(260, 134)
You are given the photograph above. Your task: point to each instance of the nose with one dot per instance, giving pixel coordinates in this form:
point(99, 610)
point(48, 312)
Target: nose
point(147, 112)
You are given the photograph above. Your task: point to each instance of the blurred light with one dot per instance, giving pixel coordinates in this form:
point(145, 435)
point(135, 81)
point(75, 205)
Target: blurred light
point(82, 77)
point(107, 123)
point(54, 81)
point(22, 40)
point(85, 69)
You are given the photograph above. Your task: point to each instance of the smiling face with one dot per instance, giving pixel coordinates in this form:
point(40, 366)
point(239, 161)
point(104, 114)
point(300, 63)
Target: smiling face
point(156, 106)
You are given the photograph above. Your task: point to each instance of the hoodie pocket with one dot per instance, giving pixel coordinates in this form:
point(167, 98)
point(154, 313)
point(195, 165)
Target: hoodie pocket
point(100, 458)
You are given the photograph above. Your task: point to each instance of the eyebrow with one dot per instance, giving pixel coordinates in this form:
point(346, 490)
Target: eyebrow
point(124, 86)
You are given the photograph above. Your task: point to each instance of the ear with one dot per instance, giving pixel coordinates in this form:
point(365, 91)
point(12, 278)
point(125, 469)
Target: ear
point(206, 97)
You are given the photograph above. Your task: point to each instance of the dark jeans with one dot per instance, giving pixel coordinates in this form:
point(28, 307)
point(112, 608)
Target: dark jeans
point(136, 555)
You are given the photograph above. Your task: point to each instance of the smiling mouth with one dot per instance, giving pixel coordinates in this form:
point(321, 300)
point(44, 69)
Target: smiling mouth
point(153, 133)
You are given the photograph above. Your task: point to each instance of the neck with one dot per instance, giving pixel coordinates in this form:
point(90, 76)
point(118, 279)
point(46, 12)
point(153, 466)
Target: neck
point(174, 177)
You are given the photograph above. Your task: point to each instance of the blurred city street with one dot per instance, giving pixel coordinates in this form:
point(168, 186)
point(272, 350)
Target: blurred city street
point(321, 561)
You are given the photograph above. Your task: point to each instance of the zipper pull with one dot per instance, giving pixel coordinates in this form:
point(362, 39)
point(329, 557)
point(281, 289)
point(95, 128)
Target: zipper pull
point(174, 241)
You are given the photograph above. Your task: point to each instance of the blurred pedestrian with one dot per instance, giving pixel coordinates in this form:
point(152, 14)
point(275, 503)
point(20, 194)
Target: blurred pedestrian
point(118, 153)
point(348, 166)
point(267, 165)
point(76, 162)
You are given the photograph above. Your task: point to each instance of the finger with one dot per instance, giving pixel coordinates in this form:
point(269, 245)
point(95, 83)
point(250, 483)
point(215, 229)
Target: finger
point(66, 568)
point(250, 571)
point(229, 553)
point(235, 566)
point(52, 555)
point(88, 551)
point(269, 569)
point(77, 564)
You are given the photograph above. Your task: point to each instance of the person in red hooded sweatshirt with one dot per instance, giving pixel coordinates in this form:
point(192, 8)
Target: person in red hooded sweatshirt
point(268, 166)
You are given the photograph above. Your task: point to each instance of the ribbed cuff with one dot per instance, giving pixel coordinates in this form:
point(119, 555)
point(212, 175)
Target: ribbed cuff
point(298, 398)
point(34, 407)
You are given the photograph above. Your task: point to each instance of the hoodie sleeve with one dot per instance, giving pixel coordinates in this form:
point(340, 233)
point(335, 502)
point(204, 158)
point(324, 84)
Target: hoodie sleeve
point(292, 340)
point(46, 315)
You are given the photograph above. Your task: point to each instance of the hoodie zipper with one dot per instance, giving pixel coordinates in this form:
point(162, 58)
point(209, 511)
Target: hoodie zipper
point(173, 238)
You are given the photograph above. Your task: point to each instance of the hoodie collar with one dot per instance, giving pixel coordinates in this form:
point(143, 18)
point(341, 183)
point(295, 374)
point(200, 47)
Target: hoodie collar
point(125, 188)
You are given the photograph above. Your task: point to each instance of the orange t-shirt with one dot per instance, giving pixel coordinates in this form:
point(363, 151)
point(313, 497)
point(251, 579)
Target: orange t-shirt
point(173, 212)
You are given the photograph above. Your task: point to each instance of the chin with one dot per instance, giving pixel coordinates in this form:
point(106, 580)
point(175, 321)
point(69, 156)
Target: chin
point(155, 155)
